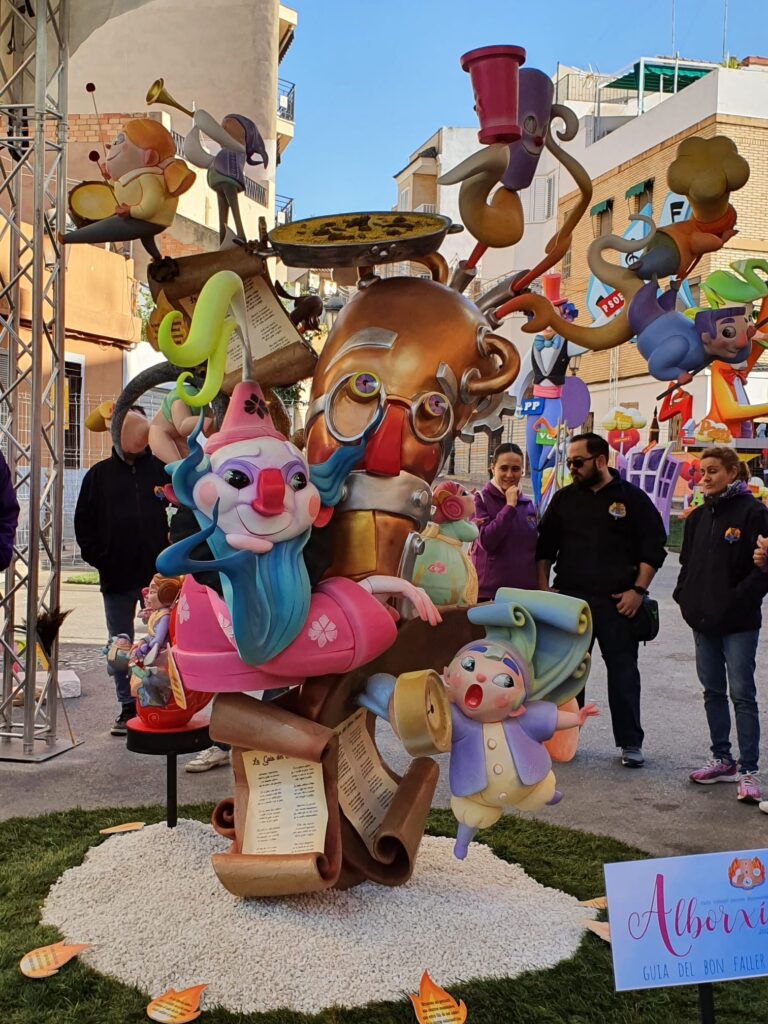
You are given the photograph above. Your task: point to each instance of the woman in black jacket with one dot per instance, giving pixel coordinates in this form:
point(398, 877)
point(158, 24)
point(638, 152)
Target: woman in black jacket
point(720, 591)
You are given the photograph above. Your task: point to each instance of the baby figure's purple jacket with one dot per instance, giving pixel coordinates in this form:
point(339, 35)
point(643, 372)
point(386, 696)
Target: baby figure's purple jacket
point(468, 770)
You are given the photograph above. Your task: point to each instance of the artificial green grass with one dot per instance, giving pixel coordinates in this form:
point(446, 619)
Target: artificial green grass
point(91, 578)
point(35, 851)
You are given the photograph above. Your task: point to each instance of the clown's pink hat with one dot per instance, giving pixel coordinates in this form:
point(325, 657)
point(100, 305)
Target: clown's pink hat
point(247, 417)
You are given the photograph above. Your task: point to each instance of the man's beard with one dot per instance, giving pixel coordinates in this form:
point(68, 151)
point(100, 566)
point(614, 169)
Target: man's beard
point(590, 479)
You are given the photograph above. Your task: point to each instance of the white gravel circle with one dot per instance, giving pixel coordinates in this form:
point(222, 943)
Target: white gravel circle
point(158, 918)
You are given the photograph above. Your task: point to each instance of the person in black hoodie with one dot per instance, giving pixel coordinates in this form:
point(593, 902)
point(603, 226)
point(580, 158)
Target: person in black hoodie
point(720, 591)
point(121, 528)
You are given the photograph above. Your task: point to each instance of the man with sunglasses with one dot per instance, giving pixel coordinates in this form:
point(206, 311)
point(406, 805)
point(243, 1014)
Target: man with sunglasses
point(606, 541)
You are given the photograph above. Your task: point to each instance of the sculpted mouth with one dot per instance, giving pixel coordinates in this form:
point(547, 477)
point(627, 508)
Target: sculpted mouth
point(473, 698)
point(260, 532)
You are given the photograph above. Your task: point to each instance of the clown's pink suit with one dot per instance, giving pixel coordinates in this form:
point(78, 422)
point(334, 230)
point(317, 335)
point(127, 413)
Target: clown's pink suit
point(346, 627)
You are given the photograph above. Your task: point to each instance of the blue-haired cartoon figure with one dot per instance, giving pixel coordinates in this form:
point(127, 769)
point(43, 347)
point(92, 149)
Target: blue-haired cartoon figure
point(504, 695)
point(675, 346)
point(256, 501)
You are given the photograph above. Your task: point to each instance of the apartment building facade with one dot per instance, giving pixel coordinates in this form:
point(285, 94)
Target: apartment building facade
point(220, 55)
point(628, 166)
point(212, 54)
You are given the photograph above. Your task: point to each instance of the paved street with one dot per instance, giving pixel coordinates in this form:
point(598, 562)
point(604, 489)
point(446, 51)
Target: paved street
point(654, 808)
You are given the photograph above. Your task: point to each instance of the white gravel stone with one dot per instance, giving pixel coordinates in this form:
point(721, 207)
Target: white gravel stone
point(158, 918)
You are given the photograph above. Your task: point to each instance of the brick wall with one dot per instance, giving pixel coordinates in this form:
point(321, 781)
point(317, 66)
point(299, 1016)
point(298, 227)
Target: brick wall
point(751, 202)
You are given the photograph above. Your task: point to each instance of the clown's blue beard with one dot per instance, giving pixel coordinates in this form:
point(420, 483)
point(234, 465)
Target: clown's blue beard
point(268, 598)
point(267, 595)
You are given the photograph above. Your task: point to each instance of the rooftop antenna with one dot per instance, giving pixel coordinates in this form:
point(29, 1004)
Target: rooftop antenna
point(725, 33)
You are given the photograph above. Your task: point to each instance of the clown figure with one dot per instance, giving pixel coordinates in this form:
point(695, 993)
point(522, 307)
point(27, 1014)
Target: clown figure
point(256, 500)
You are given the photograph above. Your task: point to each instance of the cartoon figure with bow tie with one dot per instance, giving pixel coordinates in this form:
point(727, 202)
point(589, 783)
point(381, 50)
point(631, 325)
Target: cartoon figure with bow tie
point(729, 402)
point(546, 366)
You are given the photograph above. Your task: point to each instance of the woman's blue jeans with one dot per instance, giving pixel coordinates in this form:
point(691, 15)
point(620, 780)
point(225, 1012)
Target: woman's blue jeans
point(726, 664)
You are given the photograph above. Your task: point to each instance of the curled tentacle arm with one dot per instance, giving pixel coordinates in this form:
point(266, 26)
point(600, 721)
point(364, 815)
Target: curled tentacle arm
point(499, 223)
point(209, 335)
point(595, 339)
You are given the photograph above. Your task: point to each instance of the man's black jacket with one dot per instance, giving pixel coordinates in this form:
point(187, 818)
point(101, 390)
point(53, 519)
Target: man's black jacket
point(597, 539)
point(120, 525)
point(720, 589)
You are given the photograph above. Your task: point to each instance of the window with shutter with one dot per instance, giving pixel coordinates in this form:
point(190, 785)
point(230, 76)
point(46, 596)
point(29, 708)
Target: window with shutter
point(550, 208)
point(73, 429)
point(542, 198)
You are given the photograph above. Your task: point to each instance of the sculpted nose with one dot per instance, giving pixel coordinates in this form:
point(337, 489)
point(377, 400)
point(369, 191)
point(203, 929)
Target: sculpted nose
point(270, 493)
point(384, 449)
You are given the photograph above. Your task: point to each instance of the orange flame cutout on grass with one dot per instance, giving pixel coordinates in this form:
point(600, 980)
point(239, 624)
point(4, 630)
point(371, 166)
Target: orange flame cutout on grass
point(600, 928)
point(174, 1007)
point(433, 1005)
point(128, 826)
point(46, 960)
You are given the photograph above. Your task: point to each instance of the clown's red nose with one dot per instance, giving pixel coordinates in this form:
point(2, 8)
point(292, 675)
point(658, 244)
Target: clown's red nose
point(270, 493)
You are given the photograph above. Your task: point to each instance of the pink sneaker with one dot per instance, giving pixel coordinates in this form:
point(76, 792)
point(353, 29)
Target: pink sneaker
point(749, 788)
point(715, 770)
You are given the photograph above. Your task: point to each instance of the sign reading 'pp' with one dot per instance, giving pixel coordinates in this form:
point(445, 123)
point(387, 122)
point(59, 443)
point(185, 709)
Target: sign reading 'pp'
point(688, 920)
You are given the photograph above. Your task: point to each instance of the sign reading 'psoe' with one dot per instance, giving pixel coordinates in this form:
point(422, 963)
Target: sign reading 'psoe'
point(688, 920)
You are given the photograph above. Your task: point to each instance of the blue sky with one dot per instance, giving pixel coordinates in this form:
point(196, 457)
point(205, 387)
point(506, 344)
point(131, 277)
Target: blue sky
point(375, 78)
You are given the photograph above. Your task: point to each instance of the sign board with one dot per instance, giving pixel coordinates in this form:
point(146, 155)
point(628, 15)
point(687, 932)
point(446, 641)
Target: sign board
point(532, 407)
point(688, 920)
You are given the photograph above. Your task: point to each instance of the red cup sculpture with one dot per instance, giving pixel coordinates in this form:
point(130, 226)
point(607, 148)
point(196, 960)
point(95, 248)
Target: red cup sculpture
point(494, 71)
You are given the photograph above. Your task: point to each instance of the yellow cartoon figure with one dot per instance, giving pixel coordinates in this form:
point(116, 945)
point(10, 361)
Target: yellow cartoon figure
point(138, 198)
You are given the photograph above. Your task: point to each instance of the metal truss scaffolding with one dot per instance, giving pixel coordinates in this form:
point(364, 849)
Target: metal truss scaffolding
point(33, 99)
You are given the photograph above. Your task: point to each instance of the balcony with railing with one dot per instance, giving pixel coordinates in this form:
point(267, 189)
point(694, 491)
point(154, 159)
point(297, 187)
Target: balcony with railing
point(255, 191)
point(283, 210)
point(286, 92)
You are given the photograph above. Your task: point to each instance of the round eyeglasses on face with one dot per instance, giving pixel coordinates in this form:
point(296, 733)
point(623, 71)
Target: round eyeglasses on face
point(356, 398)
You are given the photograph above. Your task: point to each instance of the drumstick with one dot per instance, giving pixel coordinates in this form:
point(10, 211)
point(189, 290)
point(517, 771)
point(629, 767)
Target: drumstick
point(94, 157)
point(91, 88)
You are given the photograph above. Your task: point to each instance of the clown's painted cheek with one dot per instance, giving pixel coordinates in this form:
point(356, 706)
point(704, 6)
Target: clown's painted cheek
point(314, 506)
point(207, 493)
point(500, 702)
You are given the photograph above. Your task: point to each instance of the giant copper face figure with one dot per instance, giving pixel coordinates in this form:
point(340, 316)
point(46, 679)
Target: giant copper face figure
point(422, 357)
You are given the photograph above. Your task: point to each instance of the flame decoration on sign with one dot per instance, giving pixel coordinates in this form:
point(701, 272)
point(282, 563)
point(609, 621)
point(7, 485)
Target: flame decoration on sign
point(433, 1005)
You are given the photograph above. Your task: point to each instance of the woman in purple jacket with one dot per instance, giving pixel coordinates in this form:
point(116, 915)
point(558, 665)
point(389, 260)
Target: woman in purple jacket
point(505, 552)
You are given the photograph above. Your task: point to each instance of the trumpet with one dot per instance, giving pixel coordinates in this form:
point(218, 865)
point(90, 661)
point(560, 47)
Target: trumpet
point(194, 151)
point(157, 93)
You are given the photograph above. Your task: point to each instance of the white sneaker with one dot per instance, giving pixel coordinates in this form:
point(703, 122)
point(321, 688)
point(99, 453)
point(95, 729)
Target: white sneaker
point(213, 757)
point(764, 806)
